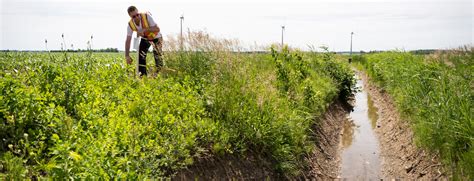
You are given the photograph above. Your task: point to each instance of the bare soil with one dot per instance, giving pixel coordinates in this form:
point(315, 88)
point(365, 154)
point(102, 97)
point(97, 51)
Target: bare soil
point(324, 162)
point(250, 166)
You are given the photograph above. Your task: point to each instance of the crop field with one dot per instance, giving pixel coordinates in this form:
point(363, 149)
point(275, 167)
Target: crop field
point(87, 115)
point(236, 90)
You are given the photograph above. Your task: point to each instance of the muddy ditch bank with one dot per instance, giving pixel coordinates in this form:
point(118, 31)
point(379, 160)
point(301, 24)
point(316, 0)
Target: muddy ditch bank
point(323, 160)
point(401, 158)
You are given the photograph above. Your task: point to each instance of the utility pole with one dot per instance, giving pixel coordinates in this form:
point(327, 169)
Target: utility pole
point(181, 35)
point(350, 54)
point(64, 43)
point(46, 44)
point(91, 40)
point(282, 30)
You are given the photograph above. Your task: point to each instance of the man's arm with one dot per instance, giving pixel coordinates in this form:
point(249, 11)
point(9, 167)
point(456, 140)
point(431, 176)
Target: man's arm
point(127, 49)
point(153, 25)
point(153, 29)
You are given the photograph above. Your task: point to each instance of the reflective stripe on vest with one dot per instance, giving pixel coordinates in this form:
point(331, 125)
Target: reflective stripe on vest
point(132, 25)
point(145, 20)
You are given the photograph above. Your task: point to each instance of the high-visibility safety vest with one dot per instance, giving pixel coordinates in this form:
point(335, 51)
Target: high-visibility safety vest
point(149, 35)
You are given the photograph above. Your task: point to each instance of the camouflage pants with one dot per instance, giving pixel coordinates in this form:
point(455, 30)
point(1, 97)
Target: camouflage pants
point(157, 54)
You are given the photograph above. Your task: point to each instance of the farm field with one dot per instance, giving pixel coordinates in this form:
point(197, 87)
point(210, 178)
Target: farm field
point(86, 115)
point(236, 90)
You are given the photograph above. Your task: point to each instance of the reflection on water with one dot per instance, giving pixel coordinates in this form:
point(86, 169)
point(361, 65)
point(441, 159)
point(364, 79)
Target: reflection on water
point(373, 116)
point(347, 133)
point(360, 154)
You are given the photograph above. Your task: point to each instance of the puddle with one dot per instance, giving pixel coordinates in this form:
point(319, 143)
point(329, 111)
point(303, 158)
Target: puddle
point(360, 147)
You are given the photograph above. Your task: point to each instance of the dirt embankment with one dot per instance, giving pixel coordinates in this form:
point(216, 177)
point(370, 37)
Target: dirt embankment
point(401, 158)
point(229, 167)
point(323, 161)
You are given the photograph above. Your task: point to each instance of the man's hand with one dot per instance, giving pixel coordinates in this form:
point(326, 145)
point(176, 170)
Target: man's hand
point(129, 59)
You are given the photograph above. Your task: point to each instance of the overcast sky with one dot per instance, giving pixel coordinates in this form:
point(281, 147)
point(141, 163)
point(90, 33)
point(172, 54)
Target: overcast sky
point(377, 24)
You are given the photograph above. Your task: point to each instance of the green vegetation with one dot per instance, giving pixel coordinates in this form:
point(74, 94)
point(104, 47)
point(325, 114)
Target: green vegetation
point(434, 92)
point(84, 115)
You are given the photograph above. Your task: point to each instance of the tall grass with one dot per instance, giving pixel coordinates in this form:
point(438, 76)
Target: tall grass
point(435, 93)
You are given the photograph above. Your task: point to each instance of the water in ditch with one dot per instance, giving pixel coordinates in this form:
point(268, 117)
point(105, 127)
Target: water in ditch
point(360, 147)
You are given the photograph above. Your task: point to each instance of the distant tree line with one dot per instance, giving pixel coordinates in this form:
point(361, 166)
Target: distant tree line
point(68, 50)
point(423, 52)
point(90, 50)
point(419, 52)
